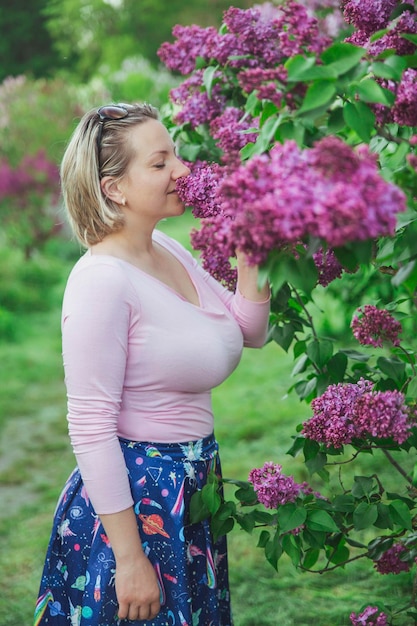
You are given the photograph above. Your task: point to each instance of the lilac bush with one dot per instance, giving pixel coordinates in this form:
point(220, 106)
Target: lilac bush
point(302, 148)
point(29, 199)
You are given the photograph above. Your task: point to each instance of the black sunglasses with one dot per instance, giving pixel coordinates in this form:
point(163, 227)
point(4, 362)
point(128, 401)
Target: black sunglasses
point(106, 113)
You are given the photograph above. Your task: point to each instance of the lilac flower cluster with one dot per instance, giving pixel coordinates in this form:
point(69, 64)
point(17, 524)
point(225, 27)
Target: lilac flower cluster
point(229, 131)
point(371, 616)
point(348, 411)
point(391, 562)
point(328, 266)
point(372, 326)
point(199, 189)
point(404, 111)
point(35, 176)
point(260, 40)
point(195, 105)
point(273, 488)
point(212, 240)
point(370, 16)
point(328, 191)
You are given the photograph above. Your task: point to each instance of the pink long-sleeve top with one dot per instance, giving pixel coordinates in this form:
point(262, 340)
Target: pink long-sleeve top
point(140, 361)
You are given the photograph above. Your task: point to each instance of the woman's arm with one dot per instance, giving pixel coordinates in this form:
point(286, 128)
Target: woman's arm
point(137, 586)
point(247, 281)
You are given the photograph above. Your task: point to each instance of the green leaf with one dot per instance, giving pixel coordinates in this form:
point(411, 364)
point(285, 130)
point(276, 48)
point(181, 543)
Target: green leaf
point(297, 66)
point(208, 78)
point(400, 514)
point(344, 503)
point(290, 516)
point(337, 367)
point(263, 539)
point(292, 548)
point(342, 57)
point(394, 368)
point(386, 70)
point(338, 555)
point(320, 351)
point(369, 91)
point(211, 497)
point(296, 447)
point(246, 521)
point(363, 486)
point(319, 94)
point(311, 556)
point(198, 509)
point(360, 118)
point(321, 521)
point(384, 519)
point(364, 515)
point(273, 551)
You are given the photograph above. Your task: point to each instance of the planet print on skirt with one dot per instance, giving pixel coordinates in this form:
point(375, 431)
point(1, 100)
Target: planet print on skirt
point(78, 581)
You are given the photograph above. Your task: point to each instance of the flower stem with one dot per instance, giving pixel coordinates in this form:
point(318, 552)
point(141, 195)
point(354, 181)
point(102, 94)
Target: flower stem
point(397, 465)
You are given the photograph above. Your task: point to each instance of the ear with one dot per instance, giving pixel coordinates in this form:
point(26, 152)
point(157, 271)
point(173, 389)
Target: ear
point(111, 189)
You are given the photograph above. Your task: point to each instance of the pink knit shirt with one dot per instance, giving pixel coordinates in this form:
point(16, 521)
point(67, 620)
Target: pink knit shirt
point(140, 361)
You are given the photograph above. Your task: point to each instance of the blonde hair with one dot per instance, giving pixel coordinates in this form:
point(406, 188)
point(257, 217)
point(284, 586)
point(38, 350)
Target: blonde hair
point(91, 214)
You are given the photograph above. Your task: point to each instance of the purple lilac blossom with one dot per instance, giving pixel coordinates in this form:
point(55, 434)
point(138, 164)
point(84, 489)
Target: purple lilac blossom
point(191, 42)
point(382, 415)
point(229, 131)
point(371, 616)
point(404, 111)
point(329, 191)
point(196, 107)
point(393, 40)
point(390, 562)
point(348, 411)
point(273, 488)
point(198, 189)
point(368, 16)
point(334, 412)
point(213, 243)
point(372, 326)
point(328, 266)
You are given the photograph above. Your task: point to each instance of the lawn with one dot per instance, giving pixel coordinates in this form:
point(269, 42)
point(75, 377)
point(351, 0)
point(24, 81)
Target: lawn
point(255, 419)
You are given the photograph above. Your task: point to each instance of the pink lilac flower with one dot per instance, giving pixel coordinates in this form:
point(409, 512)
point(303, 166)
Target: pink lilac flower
point(348, 411)
point(229, 131)
point(371, 616)
point(393, 39)
point(273, 488)
point(334, 413)
point(196, 107)
point(328, 266)
point(298, 31)
point(199, 189)
point(329, 191)
point(191, 42)
point(382, 415)
point(372, 326)
point(368, 16)
point(390, 562)
point(216, 250)
point(404, 111)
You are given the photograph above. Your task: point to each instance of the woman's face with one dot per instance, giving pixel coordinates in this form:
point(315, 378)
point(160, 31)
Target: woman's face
point(150, 180)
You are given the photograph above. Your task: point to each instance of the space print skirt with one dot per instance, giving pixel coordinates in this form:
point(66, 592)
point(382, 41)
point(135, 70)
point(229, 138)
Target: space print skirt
point(78, 582)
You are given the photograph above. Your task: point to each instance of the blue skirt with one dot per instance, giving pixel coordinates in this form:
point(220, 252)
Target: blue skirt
point(77, 587)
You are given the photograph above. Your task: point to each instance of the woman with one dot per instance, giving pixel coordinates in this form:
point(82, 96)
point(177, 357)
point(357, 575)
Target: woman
point(146, 335)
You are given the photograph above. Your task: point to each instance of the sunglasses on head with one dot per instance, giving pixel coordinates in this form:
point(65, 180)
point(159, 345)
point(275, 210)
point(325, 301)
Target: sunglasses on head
point(106, 113)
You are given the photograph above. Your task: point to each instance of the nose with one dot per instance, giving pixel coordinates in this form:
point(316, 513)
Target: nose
point(181, 170)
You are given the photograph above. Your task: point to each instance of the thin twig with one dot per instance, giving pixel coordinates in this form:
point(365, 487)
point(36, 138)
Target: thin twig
point(397, 465)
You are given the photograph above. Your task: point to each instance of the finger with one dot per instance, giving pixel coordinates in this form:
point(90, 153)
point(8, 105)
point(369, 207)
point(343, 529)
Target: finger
point(123, 610)
point(144, 613)
point(155, 608)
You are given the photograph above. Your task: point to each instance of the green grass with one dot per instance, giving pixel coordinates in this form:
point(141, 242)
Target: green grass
point(255, 420)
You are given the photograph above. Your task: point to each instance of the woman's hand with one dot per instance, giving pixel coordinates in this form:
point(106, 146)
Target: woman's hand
point(137, 589)
point(248, 279)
